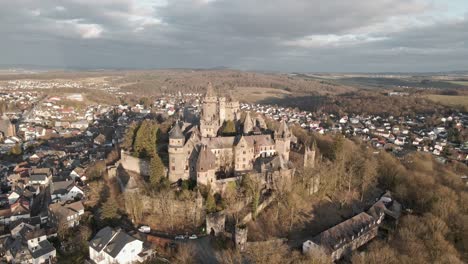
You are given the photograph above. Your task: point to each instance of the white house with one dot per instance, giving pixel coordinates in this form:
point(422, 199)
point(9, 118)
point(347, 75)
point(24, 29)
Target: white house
point(115, 246)
point(65, 191)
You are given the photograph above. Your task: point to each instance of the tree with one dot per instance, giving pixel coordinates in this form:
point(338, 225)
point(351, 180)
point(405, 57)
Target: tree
point(156, 171)
point(109, 209)
point(16, 150)
point(145, 139)
point(130, 136)
point(210, 203)
point(229, 128)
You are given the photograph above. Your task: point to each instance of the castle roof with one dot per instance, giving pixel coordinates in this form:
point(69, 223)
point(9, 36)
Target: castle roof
point(283, 130)
point(176, 132)
point(206, 160)
point(219, 142)
point(345, 231)
point(248, 124)
point(209, 90)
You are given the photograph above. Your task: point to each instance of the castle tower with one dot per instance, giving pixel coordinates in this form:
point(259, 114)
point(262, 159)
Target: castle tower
point(283, 140)
point(210, 108)
point(240, 237)
point(209, 122)
point(222, 109)
point(177, 157)
point(248, 124)
point(309, 156)
point(260, 122)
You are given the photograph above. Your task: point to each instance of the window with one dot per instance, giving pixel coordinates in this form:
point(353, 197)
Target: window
point(173, 167)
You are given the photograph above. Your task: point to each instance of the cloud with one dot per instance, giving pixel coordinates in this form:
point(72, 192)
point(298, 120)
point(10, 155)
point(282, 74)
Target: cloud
point(296, 35)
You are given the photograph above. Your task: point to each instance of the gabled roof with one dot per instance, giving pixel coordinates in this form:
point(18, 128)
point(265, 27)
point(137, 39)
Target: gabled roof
point(118, 243)
point(111, 241)
point(283, 130)
point(206, 159)
point(101, 239)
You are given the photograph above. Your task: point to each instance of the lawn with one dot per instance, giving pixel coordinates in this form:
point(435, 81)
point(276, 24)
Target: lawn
point(256, 94)
point(450, 100)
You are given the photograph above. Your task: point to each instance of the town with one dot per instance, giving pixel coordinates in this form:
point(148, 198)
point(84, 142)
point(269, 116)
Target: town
point(64, 165)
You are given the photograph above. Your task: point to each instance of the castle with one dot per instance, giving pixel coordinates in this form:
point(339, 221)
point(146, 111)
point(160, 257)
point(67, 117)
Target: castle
point(201, 151)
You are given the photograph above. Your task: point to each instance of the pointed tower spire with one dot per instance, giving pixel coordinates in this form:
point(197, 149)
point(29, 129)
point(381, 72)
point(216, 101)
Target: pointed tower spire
point(248, 124)
point(210, 90)
point(283, 130)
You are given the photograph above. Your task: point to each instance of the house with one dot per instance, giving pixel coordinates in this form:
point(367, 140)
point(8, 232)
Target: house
point(30, 246)
point(18, 210)
point(65, 191)
point(116, 246)
point(40, 176)
point(66, 214)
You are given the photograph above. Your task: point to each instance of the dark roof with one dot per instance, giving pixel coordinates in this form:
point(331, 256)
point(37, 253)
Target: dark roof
point(44, 248)
point(344, 231)
point(206, 159)
point(176, 132)
point(61, 187)
point(101, 239)
point(118, 243)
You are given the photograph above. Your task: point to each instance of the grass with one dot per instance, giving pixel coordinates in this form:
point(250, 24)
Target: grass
point(450, 100)
point(464, 83)
point(256, 94)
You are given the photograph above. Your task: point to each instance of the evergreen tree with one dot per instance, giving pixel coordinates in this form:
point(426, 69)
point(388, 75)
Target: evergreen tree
point(109, 209)
point(16, 150)
point(156, 170)
point(145, 139)
point(210, 203)
point(229, 128)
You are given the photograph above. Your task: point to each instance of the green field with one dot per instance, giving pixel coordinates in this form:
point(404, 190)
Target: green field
point(450, 100)
point(464, 83)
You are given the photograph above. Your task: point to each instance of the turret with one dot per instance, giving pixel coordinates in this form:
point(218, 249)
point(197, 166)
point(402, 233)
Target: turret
point(283, 140)
point(248, 124)
point(177, 158)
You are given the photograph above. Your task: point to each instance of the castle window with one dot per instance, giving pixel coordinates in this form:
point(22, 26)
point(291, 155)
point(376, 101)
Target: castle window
point(244, 152)
point(173, 168)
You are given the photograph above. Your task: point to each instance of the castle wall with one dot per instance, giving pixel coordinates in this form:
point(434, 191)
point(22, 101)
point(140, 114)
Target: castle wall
point(134, 164)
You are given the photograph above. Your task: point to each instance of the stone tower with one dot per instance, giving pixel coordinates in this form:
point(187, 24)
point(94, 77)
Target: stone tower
point(283, 140)
point(240, 237)
point(209, 121)
point(309, 155)
point(248, 124)
point(177, 159)
point(222, 110)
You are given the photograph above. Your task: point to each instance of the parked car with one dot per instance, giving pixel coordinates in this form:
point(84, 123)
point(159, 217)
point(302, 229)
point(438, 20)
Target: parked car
point(179, 237)
point(193, 236)
point(144, 229)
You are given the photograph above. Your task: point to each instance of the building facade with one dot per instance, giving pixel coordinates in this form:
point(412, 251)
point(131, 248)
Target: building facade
point(202, 152)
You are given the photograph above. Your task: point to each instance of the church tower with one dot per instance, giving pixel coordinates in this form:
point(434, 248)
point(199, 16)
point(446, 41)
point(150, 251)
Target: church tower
point(177, 158)
point(283, 140)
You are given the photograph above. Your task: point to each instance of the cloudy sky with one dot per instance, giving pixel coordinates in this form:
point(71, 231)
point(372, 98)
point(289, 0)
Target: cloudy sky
point(277, 35)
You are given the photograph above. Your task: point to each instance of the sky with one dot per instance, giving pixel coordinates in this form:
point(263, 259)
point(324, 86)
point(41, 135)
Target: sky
point(267, 35)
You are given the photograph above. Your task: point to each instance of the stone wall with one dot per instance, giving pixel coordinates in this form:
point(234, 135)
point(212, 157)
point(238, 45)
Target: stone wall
point(134, 164)
point(169, 213)
point(215, 223)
